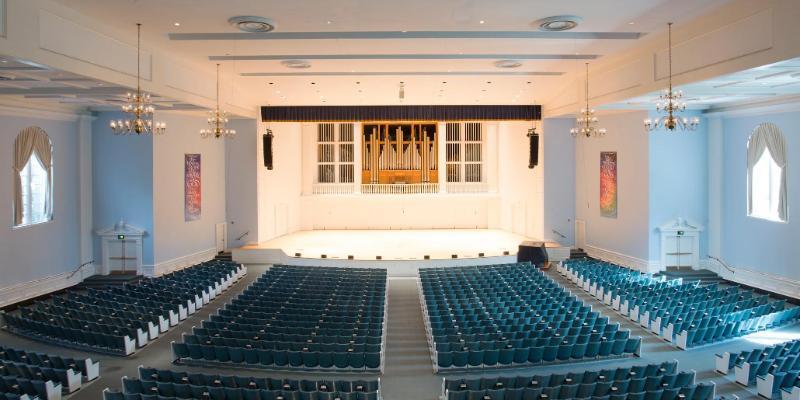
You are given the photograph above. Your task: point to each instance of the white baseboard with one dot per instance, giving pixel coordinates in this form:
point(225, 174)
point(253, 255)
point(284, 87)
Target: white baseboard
point(622, 259)
point(38, 287)
point(773, 283)
point(179, 263)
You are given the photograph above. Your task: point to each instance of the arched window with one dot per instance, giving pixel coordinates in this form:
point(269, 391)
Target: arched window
point(766, 174)
point(33, 177)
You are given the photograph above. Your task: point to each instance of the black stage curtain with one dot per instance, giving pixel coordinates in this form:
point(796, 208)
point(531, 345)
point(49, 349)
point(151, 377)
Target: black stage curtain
point(401, 113)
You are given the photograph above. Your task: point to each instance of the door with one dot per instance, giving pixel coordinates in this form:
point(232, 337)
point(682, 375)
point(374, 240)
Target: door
point(221, 236)
point(580, 233)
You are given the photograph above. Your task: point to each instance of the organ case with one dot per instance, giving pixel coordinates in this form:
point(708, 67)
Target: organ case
point(399, 153)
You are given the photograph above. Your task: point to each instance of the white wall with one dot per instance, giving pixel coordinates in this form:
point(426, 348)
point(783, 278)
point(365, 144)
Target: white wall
point(625, 238)
point(178, 242)
point(36, 258)
point(520, 207)
point(559, 179)
point(279, 189)
point(241, 187)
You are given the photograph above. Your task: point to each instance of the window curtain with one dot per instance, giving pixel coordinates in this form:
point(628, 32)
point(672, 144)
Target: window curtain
point(29, 140)
point(767, 136)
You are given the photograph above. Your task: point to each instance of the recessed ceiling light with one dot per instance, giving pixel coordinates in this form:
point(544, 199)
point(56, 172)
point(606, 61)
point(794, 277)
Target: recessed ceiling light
point(298, 64)
point(3, 61)
point(631, 23)
point(177, 24)
point(507, 64)
point(558, 23)
point(403, 31)
point(481, 22)
point(251, 24)
point(328, 22)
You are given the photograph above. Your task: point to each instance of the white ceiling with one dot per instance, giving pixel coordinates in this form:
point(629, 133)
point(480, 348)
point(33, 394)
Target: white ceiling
point(764, 83)
point(27, 82)
point(465, 63)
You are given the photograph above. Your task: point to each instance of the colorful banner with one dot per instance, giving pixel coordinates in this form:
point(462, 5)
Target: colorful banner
point(608, 184)
point(191, 187)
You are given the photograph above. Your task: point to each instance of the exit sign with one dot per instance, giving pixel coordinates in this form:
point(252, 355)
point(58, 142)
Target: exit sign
point(120, 237)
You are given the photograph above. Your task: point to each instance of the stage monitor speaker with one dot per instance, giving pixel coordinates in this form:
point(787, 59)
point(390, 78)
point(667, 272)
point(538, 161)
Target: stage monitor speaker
point(533, 139)
point(267, 138)
point(534, 252)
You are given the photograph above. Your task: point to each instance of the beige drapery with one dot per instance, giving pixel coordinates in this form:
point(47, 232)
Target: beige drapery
point(767, 136)
point(31, 139)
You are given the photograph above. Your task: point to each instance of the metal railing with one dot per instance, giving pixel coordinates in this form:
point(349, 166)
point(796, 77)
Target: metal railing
point(242, 235)
point(467, 187)
point(410, 188)
point(559, 234)
point(723, 263)
point(333, 188)
point(75, 271)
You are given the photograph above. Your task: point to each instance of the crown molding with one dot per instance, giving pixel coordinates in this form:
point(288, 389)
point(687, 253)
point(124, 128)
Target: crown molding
point(773, 106)
point(43, 113)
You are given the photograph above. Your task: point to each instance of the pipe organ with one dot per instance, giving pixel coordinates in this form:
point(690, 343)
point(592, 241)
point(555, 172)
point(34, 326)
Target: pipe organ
point(397, 153)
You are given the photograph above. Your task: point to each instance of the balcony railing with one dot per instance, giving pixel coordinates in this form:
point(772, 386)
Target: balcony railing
point(408, 188)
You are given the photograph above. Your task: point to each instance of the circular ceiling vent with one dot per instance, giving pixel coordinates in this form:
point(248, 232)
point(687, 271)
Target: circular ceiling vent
point(299, 64)
point(251, 24)
point(558, 23)
point(507, 64)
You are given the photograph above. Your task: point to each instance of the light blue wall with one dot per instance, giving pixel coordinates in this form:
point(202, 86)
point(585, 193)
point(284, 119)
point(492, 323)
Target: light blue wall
point(48, 249)
point(678, 181)
point(559, 179)
point(122, 169)
point(753, 243)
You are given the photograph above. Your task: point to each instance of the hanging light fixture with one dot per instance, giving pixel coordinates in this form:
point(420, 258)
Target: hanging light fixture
point(586, 122)
point(670, 103)
point(217, 120)
point(138, 105)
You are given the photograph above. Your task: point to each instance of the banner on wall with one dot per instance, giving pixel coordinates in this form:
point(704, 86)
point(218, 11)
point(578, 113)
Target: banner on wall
point(608, 184)
point(191, 187)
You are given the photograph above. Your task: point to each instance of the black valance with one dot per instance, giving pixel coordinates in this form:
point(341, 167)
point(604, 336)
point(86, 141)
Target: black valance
point(401, 113)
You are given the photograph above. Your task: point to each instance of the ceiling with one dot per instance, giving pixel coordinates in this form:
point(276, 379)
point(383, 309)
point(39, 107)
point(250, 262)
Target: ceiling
point(359, 51)
point(31, 83)
point(764, 83)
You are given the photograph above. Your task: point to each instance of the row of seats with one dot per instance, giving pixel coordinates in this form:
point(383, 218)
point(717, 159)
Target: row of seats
point(773, 369)
point(686, 314)
point(307, 318)
point(511, 315)
point(645, 382)
point(34, 389)
point(167, 384)
point(85, 368)
point(119, 320)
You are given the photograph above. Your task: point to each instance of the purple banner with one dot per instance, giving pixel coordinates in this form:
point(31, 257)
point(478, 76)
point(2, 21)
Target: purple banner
point(191, 187)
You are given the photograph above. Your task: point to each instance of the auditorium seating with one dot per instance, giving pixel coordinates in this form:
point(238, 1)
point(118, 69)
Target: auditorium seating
point(511, 315)
point(774, 369)
point(118, 320)
point(686, 314)
point(63, 373)
point(650, 382)
point(17, 387)
point(166, 384)
point(307, 318)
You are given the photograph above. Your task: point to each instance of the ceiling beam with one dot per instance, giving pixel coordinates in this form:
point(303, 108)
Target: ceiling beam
point(367, 35)
point(455, 73)
point(268, 57)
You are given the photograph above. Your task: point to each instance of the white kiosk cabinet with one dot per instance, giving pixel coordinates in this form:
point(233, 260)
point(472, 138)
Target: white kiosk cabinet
point(680, 244)
point(121, 249)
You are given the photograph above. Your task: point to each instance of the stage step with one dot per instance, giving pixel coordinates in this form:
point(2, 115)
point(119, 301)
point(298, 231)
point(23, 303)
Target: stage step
point(577, 253)
point(224, 256)
point(100, 281)
point(691, 275)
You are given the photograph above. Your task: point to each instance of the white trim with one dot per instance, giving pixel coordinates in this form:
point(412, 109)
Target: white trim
point(54, 115)
point(772, 106)
point(622, 259)
point(761, 280)
point(179, 263)
point(38, 287)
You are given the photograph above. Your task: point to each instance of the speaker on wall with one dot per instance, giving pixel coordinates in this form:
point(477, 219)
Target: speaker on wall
point(533, 139)
point(267, 138)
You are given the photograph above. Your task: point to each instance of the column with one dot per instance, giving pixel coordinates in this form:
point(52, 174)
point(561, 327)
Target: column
point(442, 156)
point(85, 184)
point(358, 138)
point(715, 143)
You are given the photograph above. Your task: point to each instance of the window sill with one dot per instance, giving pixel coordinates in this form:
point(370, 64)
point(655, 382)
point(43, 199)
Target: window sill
point(767, 219)
point(21, 227)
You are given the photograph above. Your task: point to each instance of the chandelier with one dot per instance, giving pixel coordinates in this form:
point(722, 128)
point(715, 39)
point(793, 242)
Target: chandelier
point(217, 120)
point(586, 122)
point(670, 103)
point(138, 105)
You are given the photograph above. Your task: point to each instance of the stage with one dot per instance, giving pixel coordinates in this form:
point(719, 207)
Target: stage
point(400, 251)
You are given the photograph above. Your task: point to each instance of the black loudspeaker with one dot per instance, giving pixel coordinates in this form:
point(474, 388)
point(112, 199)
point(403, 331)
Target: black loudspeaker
point(533, 139)
point(533, 252)
point(268, 149)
